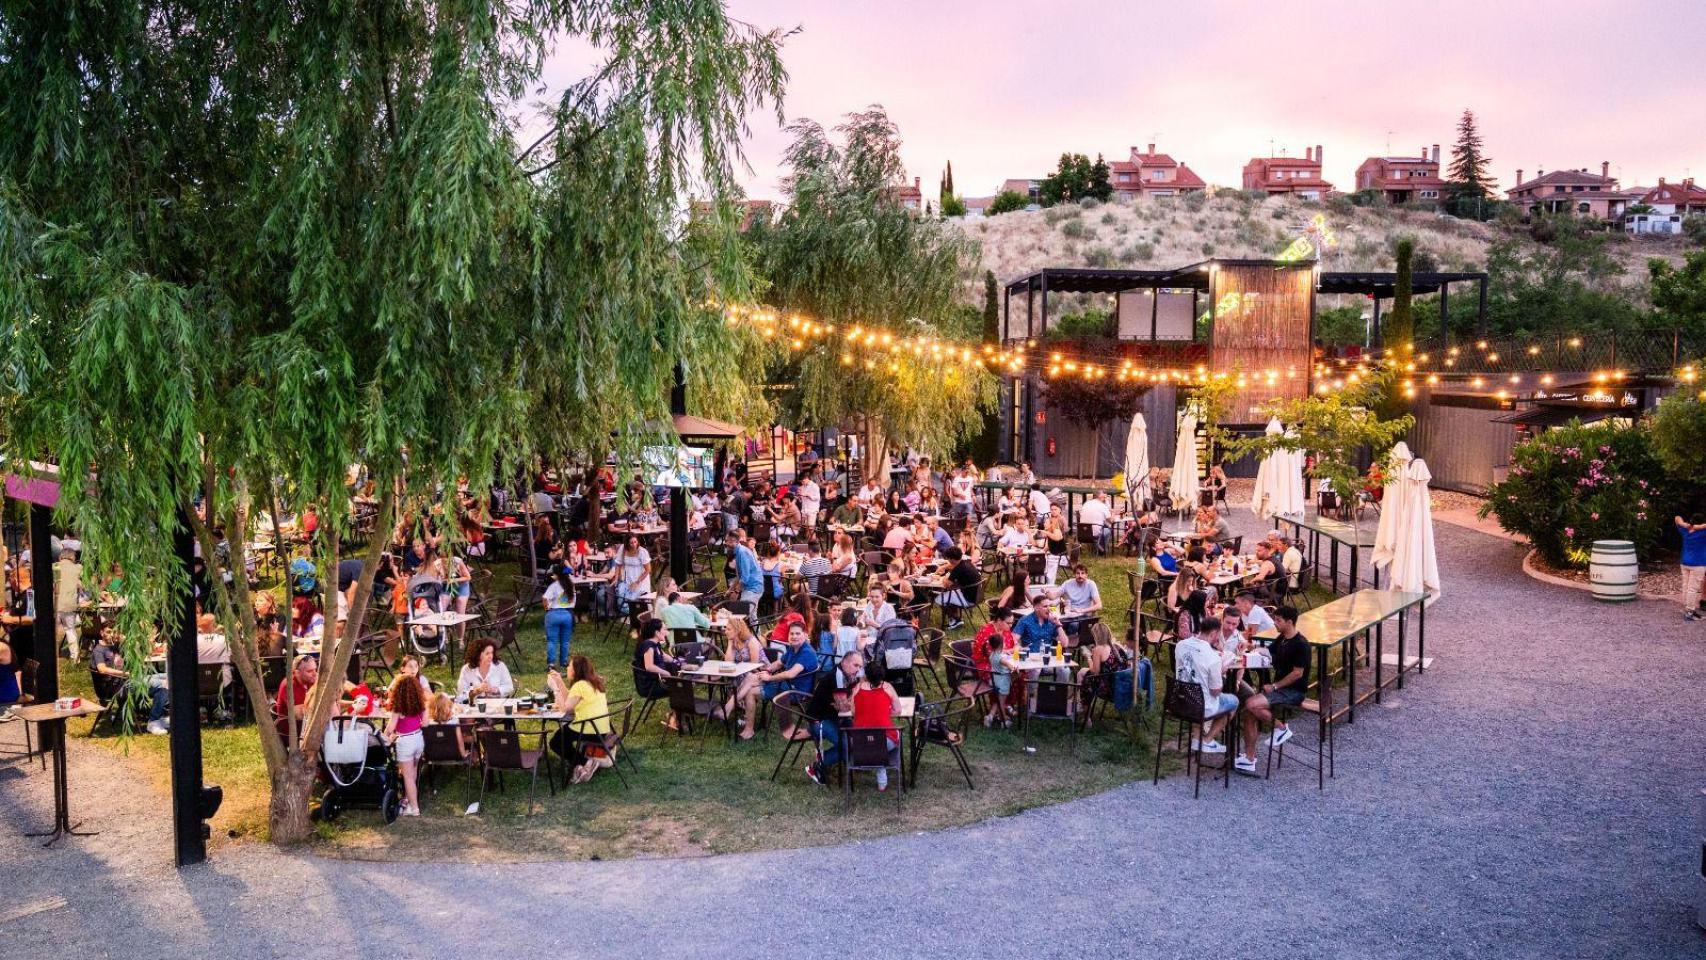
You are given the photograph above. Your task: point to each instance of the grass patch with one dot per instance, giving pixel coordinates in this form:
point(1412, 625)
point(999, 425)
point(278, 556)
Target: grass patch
point(689, 797)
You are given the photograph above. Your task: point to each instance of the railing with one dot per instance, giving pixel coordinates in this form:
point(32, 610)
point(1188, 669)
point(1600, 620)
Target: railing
point(1658, 352)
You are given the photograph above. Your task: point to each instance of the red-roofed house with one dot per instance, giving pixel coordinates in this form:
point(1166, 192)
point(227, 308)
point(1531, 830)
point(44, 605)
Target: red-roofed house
point(1028, 187)
point(1151, 174)
point(752, 211)
point(1288, 175)
point(910, 197)
point(1573, 191)
point(1403, 179)
point(1672, 203)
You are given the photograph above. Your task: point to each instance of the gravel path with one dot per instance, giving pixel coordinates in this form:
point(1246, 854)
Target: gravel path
point(1535, 795)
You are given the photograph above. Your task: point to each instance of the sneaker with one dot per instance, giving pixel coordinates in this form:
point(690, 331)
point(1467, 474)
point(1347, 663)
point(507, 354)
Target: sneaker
point(1692, 615)
point(411, 812)
point(956, 624)
point(812, 774)
point(882, 779)
point(1281, 735)
point(1212, 746)
point(1245, 765)
point(7, 716)
point(157, 728)
point(603, 763)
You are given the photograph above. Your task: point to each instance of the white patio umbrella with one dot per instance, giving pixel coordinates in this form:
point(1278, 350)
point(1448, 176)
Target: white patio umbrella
point(1264, 501)
point(1183, 484)
point(1137, 463)
point(1292, 499)
point(1391, 507)
point(1415, 566)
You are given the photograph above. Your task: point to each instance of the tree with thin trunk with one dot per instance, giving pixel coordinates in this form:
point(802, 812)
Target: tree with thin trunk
point(845, 252)
point(245, 248)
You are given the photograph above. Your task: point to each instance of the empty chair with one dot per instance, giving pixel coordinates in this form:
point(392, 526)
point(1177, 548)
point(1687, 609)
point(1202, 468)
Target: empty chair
point(503, 750)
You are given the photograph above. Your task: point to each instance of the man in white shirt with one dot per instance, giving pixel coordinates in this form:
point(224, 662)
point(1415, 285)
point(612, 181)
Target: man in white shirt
point(1039, 504)
point(869, 493)
point(1255, 618)
point(1095, 512)
point(811, 500)
point(1196, 661)
point(960, 490)
point(1291, 561)
point(1017, 535)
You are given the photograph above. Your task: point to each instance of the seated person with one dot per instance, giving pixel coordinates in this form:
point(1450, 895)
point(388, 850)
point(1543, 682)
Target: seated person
point(1016, 537)
point(442, 710)
point(814, 565)
point(848, 514)
point(1164, 556)
point(831, 696)
point(1196, 661)
point(956, 585)
point(894, 583)
point(1039, 630)
point(651, 664)
point(1292, 660)
point(876, 610)
point(899, 538)
point(292, 696)
point(580, 694)
point(11, 691)
point(678, 614)
point(1256, 619)
point(794, 669)
point(483, 674)
point(1083, 598)
point(108, 661)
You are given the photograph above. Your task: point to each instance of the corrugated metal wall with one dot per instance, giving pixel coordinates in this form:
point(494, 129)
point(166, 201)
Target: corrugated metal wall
point(1100, 452)
point(1462, 445)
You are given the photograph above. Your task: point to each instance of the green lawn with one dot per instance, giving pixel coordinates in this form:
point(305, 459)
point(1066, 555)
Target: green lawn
point(688, 796)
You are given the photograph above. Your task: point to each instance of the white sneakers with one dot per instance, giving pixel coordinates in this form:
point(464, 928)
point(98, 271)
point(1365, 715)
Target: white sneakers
point(1280, 736)
point(158, 728)
point(1245, 765)
point(1212, 746)
point(409, 811)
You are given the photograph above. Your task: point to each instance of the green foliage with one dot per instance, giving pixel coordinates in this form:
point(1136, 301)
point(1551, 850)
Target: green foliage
point(1007, 201)
point(1100, 257)
point(1694, 228)
point(1399, 327)
point(1336, 427)
point(947, 191)
point(844, 252)
point(240, 242)
point(1092, 322)
point(1092, 403)
point(1073, 227)
point(1101, 182)
point(1679, 295)
point(991, 308)
point(953, 206)
point(1073, 179)
point(1560, 289)
point(1139, 252)
point(1576, 484)
point(1678, 427)
point(1469, 177)
point(1341, 326)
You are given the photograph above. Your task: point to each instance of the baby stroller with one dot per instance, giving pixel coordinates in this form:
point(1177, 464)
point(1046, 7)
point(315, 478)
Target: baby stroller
point(362, 771)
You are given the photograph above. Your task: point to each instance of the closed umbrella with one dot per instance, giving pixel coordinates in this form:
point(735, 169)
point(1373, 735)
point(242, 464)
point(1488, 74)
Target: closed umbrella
point(1264, 502)
point(1184, 481)
point(1137, 463)
point(1415, 566)
point(1392, 506)
point(1292, 499)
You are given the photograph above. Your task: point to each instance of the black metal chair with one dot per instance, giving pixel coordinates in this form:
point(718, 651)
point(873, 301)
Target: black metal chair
point(1053, 699)
point(870, 749)
point(502, 750)
point(790, 705)
point(1189, 727)
point(211, 691)
point(447, 746)
point(946, 724)
point(1322, 749)
point(689, 706)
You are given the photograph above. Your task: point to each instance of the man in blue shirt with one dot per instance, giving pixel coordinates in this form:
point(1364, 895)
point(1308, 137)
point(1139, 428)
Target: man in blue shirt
point(748, 572)
point(1039, 629)
point(795, 669)
point(1693, 565)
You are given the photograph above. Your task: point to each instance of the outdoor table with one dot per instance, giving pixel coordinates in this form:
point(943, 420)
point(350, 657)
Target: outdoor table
point(1032, 664)
point(1336, 533)
point(50, 726)
point(1336, 624)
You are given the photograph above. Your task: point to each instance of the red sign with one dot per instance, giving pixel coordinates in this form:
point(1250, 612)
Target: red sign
point(42, 493)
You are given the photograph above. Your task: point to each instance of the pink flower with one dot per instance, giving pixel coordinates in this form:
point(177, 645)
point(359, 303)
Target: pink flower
point(1640, 516)
point(1593, 516)
point(1569, 531)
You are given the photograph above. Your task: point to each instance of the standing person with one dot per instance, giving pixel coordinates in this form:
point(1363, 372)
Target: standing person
point(67, 578)
point(559, 606)
point(1054, 541)
point(582, 694)
point(1693, 565)
point(1196, 661)
point(747, 572)
point(403, 730)
point(1291, 655)
point(634, 576)
point(811, 501)
point(961, 488)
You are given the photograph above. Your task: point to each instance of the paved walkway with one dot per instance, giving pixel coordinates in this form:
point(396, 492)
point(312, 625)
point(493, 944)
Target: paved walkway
point(1535, 795)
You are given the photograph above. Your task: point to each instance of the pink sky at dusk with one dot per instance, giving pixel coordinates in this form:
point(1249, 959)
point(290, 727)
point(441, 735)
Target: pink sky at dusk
point(1001, 88)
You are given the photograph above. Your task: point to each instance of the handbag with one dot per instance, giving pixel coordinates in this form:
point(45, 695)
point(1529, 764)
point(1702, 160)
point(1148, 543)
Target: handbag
point(1185, 699)
point(345, 744)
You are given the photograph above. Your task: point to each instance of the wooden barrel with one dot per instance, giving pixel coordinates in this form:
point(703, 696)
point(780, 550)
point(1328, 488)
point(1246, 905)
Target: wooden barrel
point(1611, 568)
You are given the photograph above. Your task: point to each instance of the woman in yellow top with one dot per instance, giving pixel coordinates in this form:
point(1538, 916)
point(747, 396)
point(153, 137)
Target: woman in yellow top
point(581, 694)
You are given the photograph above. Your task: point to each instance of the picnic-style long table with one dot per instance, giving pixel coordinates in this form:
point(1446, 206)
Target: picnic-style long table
point(1336, 533)
point(1337, 624)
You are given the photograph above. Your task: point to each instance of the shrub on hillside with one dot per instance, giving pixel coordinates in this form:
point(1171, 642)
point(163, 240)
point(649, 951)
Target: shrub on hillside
point(1007, 201)
point(1054, 215)
point(1208, 249)
point(1694, 228)
point(1102, 258)
point(1194, 201)
point(1138, 252)
point(1073, 228)
point(1089, 203)
point(1109, 217)
point(1679, 440)
point(1576, 484)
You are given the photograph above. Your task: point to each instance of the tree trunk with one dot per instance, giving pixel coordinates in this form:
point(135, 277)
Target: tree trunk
point(292, 785)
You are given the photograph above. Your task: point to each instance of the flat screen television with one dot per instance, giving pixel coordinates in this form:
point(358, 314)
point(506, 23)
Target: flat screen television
point(692, 468)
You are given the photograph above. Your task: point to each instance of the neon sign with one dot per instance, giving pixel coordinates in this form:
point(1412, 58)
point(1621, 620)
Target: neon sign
point(1316, 236)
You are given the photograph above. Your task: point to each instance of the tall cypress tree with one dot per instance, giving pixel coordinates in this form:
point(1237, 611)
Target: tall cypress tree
point(1400, 327)
point(991, 311)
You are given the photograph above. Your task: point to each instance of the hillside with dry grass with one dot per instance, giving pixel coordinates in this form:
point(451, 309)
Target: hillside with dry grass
point(1164, 233)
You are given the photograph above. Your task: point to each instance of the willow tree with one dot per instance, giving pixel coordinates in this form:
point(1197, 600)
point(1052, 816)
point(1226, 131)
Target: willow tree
point(847, 252)
point(245, 246)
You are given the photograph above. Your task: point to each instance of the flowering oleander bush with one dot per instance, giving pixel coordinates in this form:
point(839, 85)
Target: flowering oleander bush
point(1576, 484)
